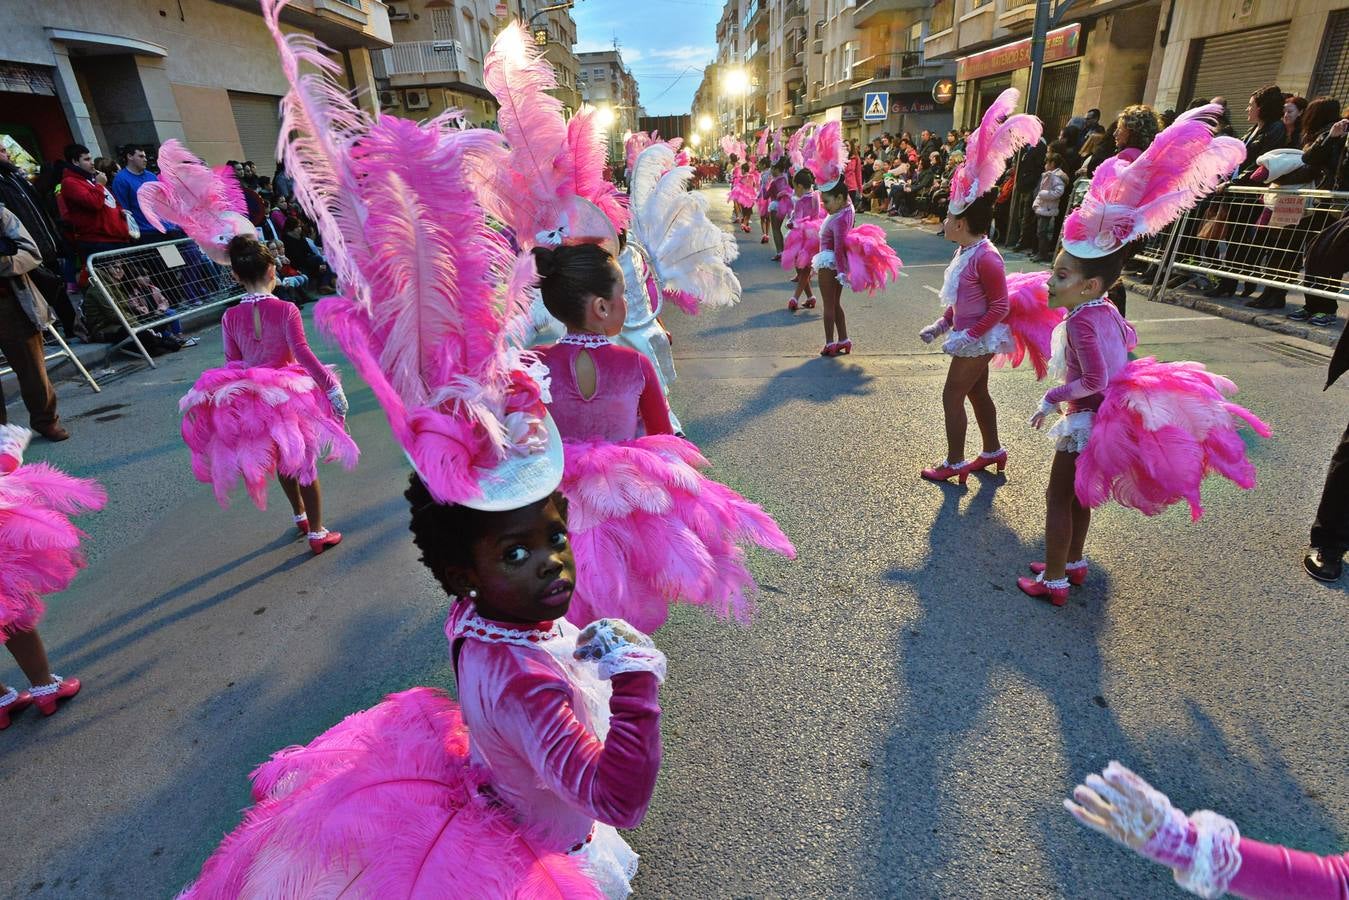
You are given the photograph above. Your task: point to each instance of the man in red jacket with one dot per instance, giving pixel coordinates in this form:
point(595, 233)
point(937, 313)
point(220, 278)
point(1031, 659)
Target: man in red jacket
point(96, 221)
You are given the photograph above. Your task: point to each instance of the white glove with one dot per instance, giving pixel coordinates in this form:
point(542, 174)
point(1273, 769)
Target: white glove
point(933, 331)
point(339, 402)
point(619, 648)
point(957, 341)
point(13, 441)
point(1201, 850)
point(1037, 421)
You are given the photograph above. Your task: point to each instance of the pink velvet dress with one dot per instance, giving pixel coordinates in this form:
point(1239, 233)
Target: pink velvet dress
point(779, 196)
point(628, 400)
point(1270, 872)
point(267, 411)
point(834, 231)
point(1089, 348)
point(975, 293)
point(572, 755)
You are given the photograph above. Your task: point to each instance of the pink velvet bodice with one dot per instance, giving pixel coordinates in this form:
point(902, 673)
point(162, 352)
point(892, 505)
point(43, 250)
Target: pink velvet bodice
point(780, 189)
point(981, 292)
point(1270, 872)
point(282, 343)
point(1099, 341)
point(807, 207)
point(628, 400)
point(536, 722)
point(834, 236)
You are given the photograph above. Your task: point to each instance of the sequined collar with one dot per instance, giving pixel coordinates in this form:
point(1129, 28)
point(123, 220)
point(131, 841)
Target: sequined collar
point(254, 298)
point(586, 339)
point(473, 626)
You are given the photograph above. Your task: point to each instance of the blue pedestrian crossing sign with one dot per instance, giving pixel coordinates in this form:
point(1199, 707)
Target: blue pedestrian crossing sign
point(875, 106)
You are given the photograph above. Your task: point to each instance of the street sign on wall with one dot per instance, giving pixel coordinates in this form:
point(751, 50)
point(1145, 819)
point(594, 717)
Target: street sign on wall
point(875, 106)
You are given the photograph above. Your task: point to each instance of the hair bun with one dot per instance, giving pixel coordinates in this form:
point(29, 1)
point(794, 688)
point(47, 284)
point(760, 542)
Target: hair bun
point(545, 261)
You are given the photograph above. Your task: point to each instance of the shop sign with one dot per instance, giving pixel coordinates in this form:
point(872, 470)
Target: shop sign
point(1061, 43)
point(944, 91)
point(912, 104)
point(850, 113)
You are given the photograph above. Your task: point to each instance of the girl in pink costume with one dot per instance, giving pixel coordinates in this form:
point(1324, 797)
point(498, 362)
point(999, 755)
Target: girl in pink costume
point(1205, 851)
point(273, 408)
point(39, 554)
point(974, 289)
point(856, 254)
point(744, 194)
point(1143, 432)
point(779, 203)
point(761, 204)
point(803, 237)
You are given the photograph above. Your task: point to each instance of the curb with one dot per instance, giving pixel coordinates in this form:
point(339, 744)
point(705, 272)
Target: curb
point(1277, 323)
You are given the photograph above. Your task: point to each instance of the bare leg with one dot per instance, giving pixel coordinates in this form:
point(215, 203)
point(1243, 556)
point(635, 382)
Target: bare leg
point(840, 320)
point(829, 289)
point(31, 654)
point(1081, 522)
point(803, 276)
point(763, 224)
point(291, 488)
point(1060, 515)
point(800, 282)
point(960, 379)
point(985, 411)
point(313, 505)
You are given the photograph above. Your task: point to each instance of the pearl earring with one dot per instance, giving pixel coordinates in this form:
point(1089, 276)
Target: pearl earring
point(473, 595)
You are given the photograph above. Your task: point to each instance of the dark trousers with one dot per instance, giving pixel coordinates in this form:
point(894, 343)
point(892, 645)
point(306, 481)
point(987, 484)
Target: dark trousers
point(21, 344)
point(1330, 531)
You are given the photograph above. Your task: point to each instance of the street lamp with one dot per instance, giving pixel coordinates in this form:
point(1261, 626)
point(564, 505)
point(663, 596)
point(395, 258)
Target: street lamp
point(605, 117)
point(696, 138)
point(704, 122)
point(735, 82)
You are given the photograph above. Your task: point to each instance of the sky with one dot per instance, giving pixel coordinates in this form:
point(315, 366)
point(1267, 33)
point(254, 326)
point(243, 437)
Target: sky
point(665, 43)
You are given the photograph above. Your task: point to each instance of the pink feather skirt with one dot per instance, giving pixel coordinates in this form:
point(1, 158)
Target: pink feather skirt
point(1160, 430)
point(871, 261)
point(251, 424)
point(386, 803)
point(744, 194)
point(648, 529)
point(1031, 321)
point(761, 206)
point(801, 244)
point(39, 546)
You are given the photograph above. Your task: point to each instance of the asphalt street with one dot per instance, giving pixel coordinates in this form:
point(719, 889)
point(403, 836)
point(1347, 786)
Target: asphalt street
point(899, 721)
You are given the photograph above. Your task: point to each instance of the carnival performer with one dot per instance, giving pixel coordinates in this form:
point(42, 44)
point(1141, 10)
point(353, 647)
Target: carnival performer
point(1143, 433)
point(779, 202)
point(803, 237)
point(642, 330)
point(39, 554)
point(1205, 851)
point(517, 791)
point(974, 290)
point(763, 167)
point(273, 409)
point(857, 254)
point(744, 194)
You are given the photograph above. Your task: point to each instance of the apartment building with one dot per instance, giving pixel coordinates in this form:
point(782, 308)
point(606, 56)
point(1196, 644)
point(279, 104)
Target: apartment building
point(205, 72)
point(890, 59)
point(436, 61)
point(606, 82)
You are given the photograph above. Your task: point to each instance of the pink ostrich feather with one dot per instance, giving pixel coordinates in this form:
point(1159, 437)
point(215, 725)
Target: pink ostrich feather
point(872, 263)
point(999, 135)
point(1161, 429)
point(796, 145)
point(403, 816)
point(1031, 321)
point(649, 529)
point(207, 204)
point(761, 146)
point(826, 153)
point(1128, 200)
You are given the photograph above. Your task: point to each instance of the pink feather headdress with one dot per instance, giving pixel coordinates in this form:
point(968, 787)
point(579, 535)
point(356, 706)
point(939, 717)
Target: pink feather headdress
point(998, 136)
point(796, 144)
point(761, 147)
point(825, 154)
point(1129, 200)
point(548, 161)
point(731, 146)
point(423, 314)
point(207, 204)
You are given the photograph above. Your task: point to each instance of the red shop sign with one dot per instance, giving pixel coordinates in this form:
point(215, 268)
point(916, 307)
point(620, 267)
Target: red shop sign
point(1061, 43)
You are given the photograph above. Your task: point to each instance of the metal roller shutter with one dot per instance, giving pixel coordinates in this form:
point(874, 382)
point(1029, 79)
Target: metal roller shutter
point(258, 118)
point(1332, 69)
point(1235, 66)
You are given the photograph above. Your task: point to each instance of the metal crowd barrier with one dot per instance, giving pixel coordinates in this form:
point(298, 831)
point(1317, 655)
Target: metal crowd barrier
point(60, 351)
point(152, 285)
point(1252, 234)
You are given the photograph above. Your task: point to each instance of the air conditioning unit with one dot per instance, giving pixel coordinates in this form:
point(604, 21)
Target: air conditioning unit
point(819, 28)
point(388, 99)
point(399, 13)
point(817, 47)
point(416, 99)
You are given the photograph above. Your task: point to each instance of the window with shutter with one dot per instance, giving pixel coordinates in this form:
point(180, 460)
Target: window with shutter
point(1234, 66)
point(258, 119)
point(1331, 78)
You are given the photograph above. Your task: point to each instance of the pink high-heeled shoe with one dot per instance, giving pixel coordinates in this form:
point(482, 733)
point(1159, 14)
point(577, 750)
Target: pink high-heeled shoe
point(324, 541)
point(844, 347)
point(981, 462)
point(21, 702)
point(830, 349)
point(792, 305)
point(809, 304)
point(945, 471)
point(65, 689)
point(1037, 587)
point(1077, 575)
point(302, 524)
point(764, 239)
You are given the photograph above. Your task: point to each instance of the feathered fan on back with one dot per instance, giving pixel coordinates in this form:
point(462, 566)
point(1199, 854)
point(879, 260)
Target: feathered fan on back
point(999, 135)
point(826, 154)
point(207, 204)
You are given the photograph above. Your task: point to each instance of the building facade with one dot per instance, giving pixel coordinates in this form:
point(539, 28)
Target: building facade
point(891, 61)
point(607, 83)
point(204, 72)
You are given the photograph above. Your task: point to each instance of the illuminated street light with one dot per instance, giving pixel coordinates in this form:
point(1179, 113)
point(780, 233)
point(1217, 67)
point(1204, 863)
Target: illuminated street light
point(695, 139)
point(735, 83)
point(604, 117)
point(704, 122)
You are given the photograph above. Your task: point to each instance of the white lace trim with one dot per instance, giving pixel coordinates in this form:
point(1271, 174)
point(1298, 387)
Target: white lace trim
point(950, 279)
point(997, 339)
point(1217, 856)
point(824, 260)
point(8, 698)
point(1058, 342)
point(633, 658)
point(473, 626)
point(609, 862)
point(1072, 432)
point(45, 689)
point(302, 517)
point(254, 298)
point(1056, 584)
point(586, 339)
point(984, 454)
point(1080, 564)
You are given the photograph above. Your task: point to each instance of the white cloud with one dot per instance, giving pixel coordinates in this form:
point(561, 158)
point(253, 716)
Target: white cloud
point(685, 54)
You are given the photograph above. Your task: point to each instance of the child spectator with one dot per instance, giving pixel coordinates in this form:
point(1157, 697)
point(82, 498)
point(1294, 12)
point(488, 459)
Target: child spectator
point(1046, 207)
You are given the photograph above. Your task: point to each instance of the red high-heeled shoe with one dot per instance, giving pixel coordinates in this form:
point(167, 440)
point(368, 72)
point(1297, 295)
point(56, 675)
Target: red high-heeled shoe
point(792, 305)
point(764, 239)
point(981, 462)
point(809, 304)
point(830, 349)
point(945, 471)
point(65, 689)
point(1036, 587)
point(324, 541)
point(14, 707)
point(302, 524)
point(1077, 576)
point(745, 229)
point(844, 347)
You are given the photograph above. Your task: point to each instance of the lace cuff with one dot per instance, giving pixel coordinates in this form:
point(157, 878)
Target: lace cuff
point(1217, 856)
point(633, 658)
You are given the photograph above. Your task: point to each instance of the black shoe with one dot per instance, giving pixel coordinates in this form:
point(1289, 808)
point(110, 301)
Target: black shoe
point(1248, 288)
point(1266, 303)
point(1322, 565)
point(1221, 289)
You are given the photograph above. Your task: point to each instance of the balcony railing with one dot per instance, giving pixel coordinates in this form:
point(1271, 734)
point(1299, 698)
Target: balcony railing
point(943, 15)
point(421, 58)
point(887, 67)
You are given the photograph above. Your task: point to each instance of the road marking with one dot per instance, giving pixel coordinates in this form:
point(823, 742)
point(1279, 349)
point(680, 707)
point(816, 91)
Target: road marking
point(926, 265)
point(929, 287)
point(1177, 319)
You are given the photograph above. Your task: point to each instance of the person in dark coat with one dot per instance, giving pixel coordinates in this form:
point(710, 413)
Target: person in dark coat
point(1324, 559)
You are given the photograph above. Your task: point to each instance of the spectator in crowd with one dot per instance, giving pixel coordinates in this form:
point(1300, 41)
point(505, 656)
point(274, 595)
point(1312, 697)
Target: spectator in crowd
point(249, 175)
point(952, 144)
point(282, 185)
point(1053, 185)
point(1135, 128)
point(20, 197)
point(107, 169)
point(901, 190)
point(126, 186)
point(928, 143)
point(302, 255)
point(96, 221)
point(1324, 560)
point(887, 153)
point(280, 212)
point(939, 197)
point(852, 174)
point(1293, 108)
point(1022, 222)
point(924, 180)
point(1323, 153)
point(23, 315)
point(1168, 116)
